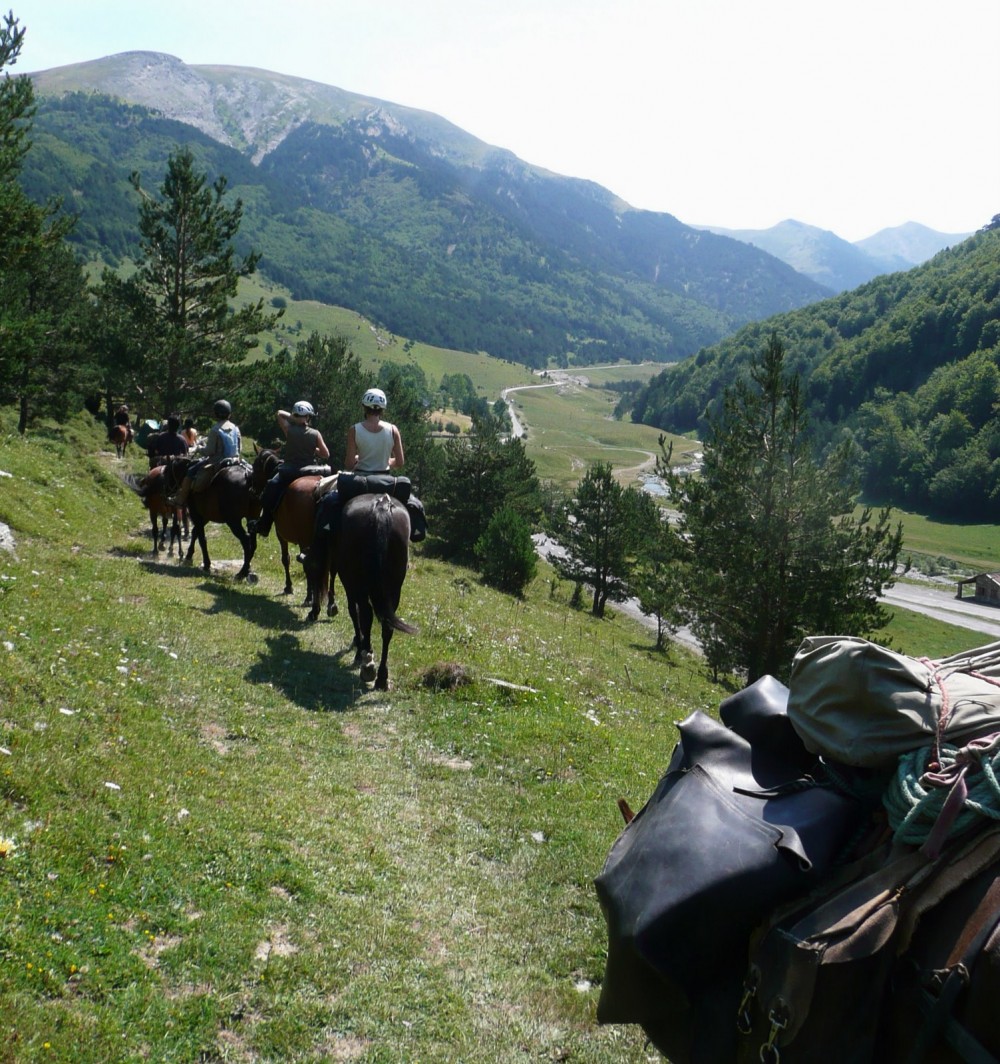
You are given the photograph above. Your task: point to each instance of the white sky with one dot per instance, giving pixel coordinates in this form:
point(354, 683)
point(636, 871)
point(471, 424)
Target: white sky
point(851, 115)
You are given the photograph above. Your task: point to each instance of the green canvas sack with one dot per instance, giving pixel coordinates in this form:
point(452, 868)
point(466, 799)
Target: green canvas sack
point(861, 704)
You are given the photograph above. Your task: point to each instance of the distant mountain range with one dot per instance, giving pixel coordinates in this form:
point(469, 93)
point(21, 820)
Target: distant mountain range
point(402, 216)
point(839, 265)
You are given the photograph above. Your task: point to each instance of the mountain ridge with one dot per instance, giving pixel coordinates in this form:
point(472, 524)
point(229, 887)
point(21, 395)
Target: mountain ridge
point(841, 265)
point(400, 215)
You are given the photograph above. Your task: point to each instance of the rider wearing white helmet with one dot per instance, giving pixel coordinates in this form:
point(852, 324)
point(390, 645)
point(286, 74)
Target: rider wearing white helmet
point(373, 445)
point(304, 445)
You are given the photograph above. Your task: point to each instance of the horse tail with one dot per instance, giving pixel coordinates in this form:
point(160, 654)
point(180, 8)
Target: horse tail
point(140, 485)
point(377, 563)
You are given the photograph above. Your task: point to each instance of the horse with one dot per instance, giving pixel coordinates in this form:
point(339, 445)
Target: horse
point(372, 554)
point(228, 500)
point(294, 521)
point(758, 910)
point(121, 437)
point(151, 490)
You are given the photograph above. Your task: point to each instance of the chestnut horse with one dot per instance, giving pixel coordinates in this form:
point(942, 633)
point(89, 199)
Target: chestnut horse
point(294, 520)
point(227, 500)
point(121, 437)
point(372, 554)
point(150, 489)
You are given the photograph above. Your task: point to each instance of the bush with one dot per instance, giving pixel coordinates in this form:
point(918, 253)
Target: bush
point(506, 552)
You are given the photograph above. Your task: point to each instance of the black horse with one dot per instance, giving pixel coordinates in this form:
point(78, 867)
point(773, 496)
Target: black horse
point(228, 500)
point(372, 555)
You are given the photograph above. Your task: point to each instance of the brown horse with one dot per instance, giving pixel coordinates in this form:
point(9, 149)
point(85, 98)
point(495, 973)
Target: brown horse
point(121, 437)
point(227, 500)
point(372, 554)
point(294, 520)
point(150, 489)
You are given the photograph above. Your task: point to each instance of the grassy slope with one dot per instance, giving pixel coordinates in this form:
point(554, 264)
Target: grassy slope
point(286, 867)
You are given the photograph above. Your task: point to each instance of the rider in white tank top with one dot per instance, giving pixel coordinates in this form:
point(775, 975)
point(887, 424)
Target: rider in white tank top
point(373, 445)
point(374, 449)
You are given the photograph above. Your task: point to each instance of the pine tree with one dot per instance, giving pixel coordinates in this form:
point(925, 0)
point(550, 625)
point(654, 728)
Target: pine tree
point(482, 472)
point(42, 305)
point(773, 552)
point(607, 523)
point(187, 277)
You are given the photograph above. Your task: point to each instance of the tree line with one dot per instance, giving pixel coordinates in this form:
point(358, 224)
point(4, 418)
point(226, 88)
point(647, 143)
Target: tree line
point(906, 368)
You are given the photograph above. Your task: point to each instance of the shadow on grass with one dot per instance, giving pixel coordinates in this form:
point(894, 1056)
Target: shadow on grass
point(319, 683)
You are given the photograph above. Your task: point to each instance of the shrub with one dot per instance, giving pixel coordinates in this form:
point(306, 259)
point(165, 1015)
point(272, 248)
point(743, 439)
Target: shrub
point(506, 553)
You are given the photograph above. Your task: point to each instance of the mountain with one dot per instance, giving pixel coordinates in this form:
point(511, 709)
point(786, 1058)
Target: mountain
point(908, 245)
point(906, 366)
point(399, 214)
point(837, 264)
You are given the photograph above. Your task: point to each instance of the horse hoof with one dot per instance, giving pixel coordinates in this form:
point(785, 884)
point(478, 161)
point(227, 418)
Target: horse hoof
point(332, 611)
point(252, 578)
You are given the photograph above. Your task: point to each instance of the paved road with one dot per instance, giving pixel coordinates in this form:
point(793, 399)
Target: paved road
point(939, 602)
point(933, 600)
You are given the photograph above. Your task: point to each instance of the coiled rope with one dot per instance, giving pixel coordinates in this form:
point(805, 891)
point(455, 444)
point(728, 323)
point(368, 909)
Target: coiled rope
point(940, 791)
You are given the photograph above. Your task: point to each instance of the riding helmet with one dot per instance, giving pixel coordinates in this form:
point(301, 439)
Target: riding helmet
point(222, 408)
point(375, 397)
point(303, 409)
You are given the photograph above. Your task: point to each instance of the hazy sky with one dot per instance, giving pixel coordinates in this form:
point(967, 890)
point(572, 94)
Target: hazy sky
point(852, 115)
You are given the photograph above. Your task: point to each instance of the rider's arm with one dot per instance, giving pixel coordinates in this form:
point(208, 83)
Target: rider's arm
point(284, 420)
point(396, 458)
point(322, 451)
point(213, 443)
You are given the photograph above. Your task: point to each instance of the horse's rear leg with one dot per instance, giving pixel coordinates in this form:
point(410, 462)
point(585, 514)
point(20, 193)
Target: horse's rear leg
point(198, 538)
point(285, 560)
point(175, 535)
point(382, 678)
point(249, 544)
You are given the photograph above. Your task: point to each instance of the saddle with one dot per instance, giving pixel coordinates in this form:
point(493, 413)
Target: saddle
point(350, 485)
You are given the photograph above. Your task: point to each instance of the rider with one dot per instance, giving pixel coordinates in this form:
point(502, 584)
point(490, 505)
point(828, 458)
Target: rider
point(223, 442)
point(190, 433)
point(122, 418)
point(171, 442)
point(373, 446)
point(303, 445)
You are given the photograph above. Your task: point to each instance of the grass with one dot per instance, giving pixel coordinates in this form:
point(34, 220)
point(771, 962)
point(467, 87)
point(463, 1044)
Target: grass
point(971, 545)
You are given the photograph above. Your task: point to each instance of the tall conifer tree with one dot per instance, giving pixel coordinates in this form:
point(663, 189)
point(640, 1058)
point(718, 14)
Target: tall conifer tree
point(774, 552)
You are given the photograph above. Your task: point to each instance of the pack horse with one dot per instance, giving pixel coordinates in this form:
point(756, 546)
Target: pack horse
point(817, 875)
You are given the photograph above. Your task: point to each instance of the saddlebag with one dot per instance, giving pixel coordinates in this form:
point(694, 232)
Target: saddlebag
point(351, 484)
point(819, 974)
point(742, 821)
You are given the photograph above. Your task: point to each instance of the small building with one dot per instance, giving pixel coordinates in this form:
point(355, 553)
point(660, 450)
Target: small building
point(986, 588)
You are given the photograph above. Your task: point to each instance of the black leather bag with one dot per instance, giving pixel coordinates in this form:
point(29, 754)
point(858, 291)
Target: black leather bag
point(740, 823)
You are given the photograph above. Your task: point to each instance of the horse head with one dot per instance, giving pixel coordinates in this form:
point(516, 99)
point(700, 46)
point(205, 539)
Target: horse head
point(265, 462)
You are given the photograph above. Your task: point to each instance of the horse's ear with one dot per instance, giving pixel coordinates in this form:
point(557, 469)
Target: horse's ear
point(256, 447)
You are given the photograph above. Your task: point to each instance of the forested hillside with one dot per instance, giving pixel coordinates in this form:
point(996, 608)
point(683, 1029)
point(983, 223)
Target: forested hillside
point(908, 365)
point(474, 250)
